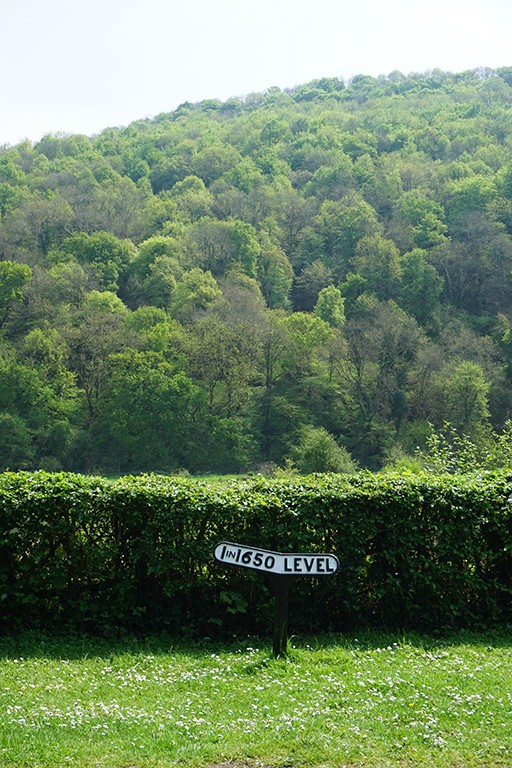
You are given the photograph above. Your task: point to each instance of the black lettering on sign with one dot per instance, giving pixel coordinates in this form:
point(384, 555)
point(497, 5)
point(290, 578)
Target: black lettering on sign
point(276, 562)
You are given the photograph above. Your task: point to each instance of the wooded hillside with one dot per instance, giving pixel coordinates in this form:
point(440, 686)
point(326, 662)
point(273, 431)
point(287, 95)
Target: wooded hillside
point(313, 275)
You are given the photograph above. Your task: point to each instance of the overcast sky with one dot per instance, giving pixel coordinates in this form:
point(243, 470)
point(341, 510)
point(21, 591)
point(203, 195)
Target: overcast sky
point(78, 67)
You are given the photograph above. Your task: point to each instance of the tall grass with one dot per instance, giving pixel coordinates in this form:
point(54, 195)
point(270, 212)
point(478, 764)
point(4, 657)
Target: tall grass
point(375, 701)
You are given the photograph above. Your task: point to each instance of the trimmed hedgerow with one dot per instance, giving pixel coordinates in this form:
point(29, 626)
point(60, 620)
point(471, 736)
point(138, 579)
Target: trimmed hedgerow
point(137, 554)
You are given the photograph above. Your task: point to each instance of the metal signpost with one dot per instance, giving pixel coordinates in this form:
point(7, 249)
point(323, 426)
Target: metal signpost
point(280, 568)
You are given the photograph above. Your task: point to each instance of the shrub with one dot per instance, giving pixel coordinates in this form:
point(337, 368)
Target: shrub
point(318, 451)
point(419, 552)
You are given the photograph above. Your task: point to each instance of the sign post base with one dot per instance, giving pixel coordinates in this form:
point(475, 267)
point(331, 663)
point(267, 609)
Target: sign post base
point(281, 585)
point(280, 568)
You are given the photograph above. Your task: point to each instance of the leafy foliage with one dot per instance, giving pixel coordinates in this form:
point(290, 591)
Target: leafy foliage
point(335, 256)
point(424, 551)
point(449, 451)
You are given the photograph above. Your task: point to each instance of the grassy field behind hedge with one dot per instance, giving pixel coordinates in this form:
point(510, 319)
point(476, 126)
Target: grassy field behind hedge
point(383, 700)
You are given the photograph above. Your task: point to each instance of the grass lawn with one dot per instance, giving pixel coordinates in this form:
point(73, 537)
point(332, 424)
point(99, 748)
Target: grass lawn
point(371, 701)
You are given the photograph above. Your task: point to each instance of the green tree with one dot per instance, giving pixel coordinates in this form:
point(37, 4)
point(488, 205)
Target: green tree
point(342, 225)
point(275, 275)
point(37, 225)
point(151, 249)
point(10, 197)
point(309, 283)
point(119, 207)
point(46, 350)
point(377, 260)
point(421, 288)
point(98, 331)
point(107, 255)
point(330, 306)
point(467, 195)
point(242, 301)
point(476, 267)
point(214, 161)
point(219, 245)
point(306, 335)
point(383, 344)
point(426, 219)
point(151, 415)
point(69, 284)
point(464, 391)
point(155, 330)
point(394, 192)
point(246, 248)
point(211, 245)
point(151, 276)
point(39, 412)
point(11, 170)
point(159, 285)
point(332, 182)
point(319, 451)
point(226, 358)
point(193, 294)
point(193, 200)
point(13, 279)
point(275, 418)
point(294, 214)
point(274, 131)
point(17, 450)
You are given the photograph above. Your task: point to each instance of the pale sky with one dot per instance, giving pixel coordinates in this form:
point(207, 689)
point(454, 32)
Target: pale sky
point(71, 66)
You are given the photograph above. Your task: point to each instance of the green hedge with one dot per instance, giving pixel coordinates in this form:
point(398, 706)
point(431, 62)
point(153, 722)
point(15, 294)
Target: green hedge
point(137, 554)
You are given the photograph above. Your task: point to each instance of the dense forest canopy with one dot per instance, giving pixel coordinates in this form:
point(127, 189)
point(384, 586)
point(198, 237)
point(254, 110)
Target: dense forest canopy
point(316, 275)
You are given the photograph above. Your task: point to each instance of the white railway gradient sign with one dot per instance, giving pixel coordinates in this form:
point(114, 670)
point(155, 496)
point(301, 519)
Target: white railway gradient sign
point(288, 563)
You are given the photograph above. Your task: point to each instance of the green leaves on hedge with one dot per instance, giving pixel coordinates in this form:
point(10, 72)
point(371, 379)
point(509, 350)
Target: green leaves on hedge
point(137, 554)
